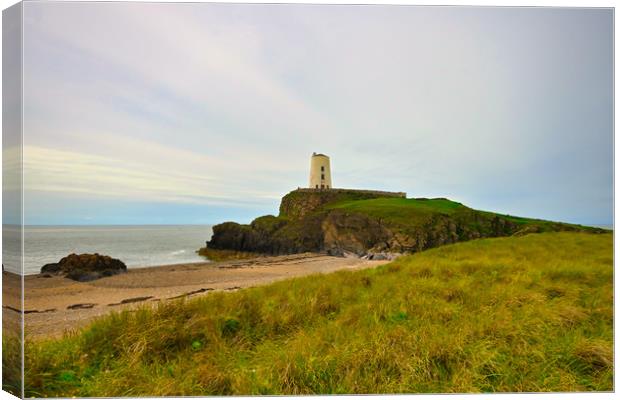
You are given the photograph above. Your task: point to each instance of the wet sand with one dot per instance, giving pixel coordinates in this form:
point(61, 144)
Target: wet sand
point(55, 305)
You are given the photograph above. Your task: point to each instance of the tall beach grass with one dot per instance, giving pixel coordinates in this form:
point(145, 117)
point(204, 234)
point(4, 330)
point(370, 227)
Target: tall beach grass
point(531, 313)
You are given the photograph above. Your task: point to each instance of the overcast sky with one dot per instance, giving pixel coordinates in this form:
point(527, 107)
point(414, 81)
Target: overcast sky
point(199, 113)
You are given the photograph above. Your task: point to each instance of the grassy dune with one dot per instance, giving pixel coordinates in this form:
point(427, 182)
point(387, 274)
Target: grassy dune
point(531, 313)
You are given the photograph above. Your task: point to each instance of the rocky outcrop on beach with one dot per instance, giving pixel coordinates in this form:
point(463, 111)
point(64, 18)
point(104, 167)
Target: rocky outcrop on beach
point(85, 267)
point(369, 224)
point(269, 235)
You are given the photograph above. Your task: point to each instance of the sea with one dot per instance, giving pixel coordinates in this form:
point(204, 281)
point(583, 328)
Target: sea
point(136, 245)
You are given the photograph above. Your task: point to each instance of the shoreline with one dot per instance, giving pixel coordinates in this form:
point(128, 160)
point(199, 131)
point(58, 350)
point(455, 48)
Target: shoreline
point(55, 305)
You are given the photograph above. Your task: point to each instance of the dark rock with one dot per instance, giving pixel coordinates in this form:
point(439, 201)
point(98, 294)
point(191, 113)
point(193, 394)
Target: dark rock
point(48, 310)
point(269, 235)
point(354, 233)
point(336, 252)
point(51, 268)
point(85, 267)
point(131, 300)
point(382, 256)
point(80, 306)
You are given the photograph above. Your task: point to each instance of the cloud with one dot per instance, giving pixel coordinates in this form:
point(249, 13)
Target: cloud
point(198, 71)
point(58, 171)
point(223, 104)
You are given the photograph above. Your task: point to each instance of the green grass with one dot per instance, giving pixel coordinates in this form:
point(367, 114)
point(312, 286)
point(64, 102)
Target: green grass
point(391, 207)
point(412, 213)
point(530, 313)
point(11, 361)
point(400, 211)
point(407, 210)
point(545, 225)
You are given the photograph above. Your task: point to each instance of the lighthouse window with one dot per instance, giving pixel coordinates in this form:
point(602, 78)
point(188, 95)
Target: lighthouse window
point(322, 168)
point(317, 186)
point(322, 176)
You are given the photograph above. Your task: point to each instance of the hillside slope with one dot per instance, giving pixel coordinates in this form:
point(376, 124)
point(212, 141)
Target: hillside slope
point(531, 313)
point(366, 222)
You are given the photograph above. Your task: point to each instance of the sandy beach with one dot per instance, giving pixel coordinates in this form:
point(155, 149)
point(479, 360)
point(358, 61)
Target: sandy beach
point(54, 305)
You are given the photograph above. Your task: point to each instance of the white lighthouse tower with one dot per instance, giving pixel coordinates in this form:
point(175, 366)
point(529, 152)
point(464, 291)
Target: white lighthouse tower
point(320, 173)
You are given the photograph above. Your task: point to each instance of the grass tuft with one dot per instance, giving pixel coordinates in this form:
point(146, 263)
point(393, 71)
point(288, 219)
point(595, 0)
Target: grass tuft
point(528, 313)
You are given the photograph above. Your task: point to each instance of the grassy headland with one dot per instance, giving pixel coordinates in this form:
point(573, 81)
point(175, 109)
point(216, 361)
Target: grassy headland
point(367, 222)
point(529, 313)
point(412, 213)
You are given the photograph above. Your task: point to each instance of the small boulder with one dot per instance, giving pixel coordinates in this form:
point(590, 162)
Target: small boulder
point(382, 256)
point(336, 252)
point(349, 254)
point(85, 267)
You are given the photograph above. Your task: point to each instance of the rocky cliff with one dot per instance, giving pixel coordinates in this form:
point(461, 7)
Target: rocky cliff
point(369, 223)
